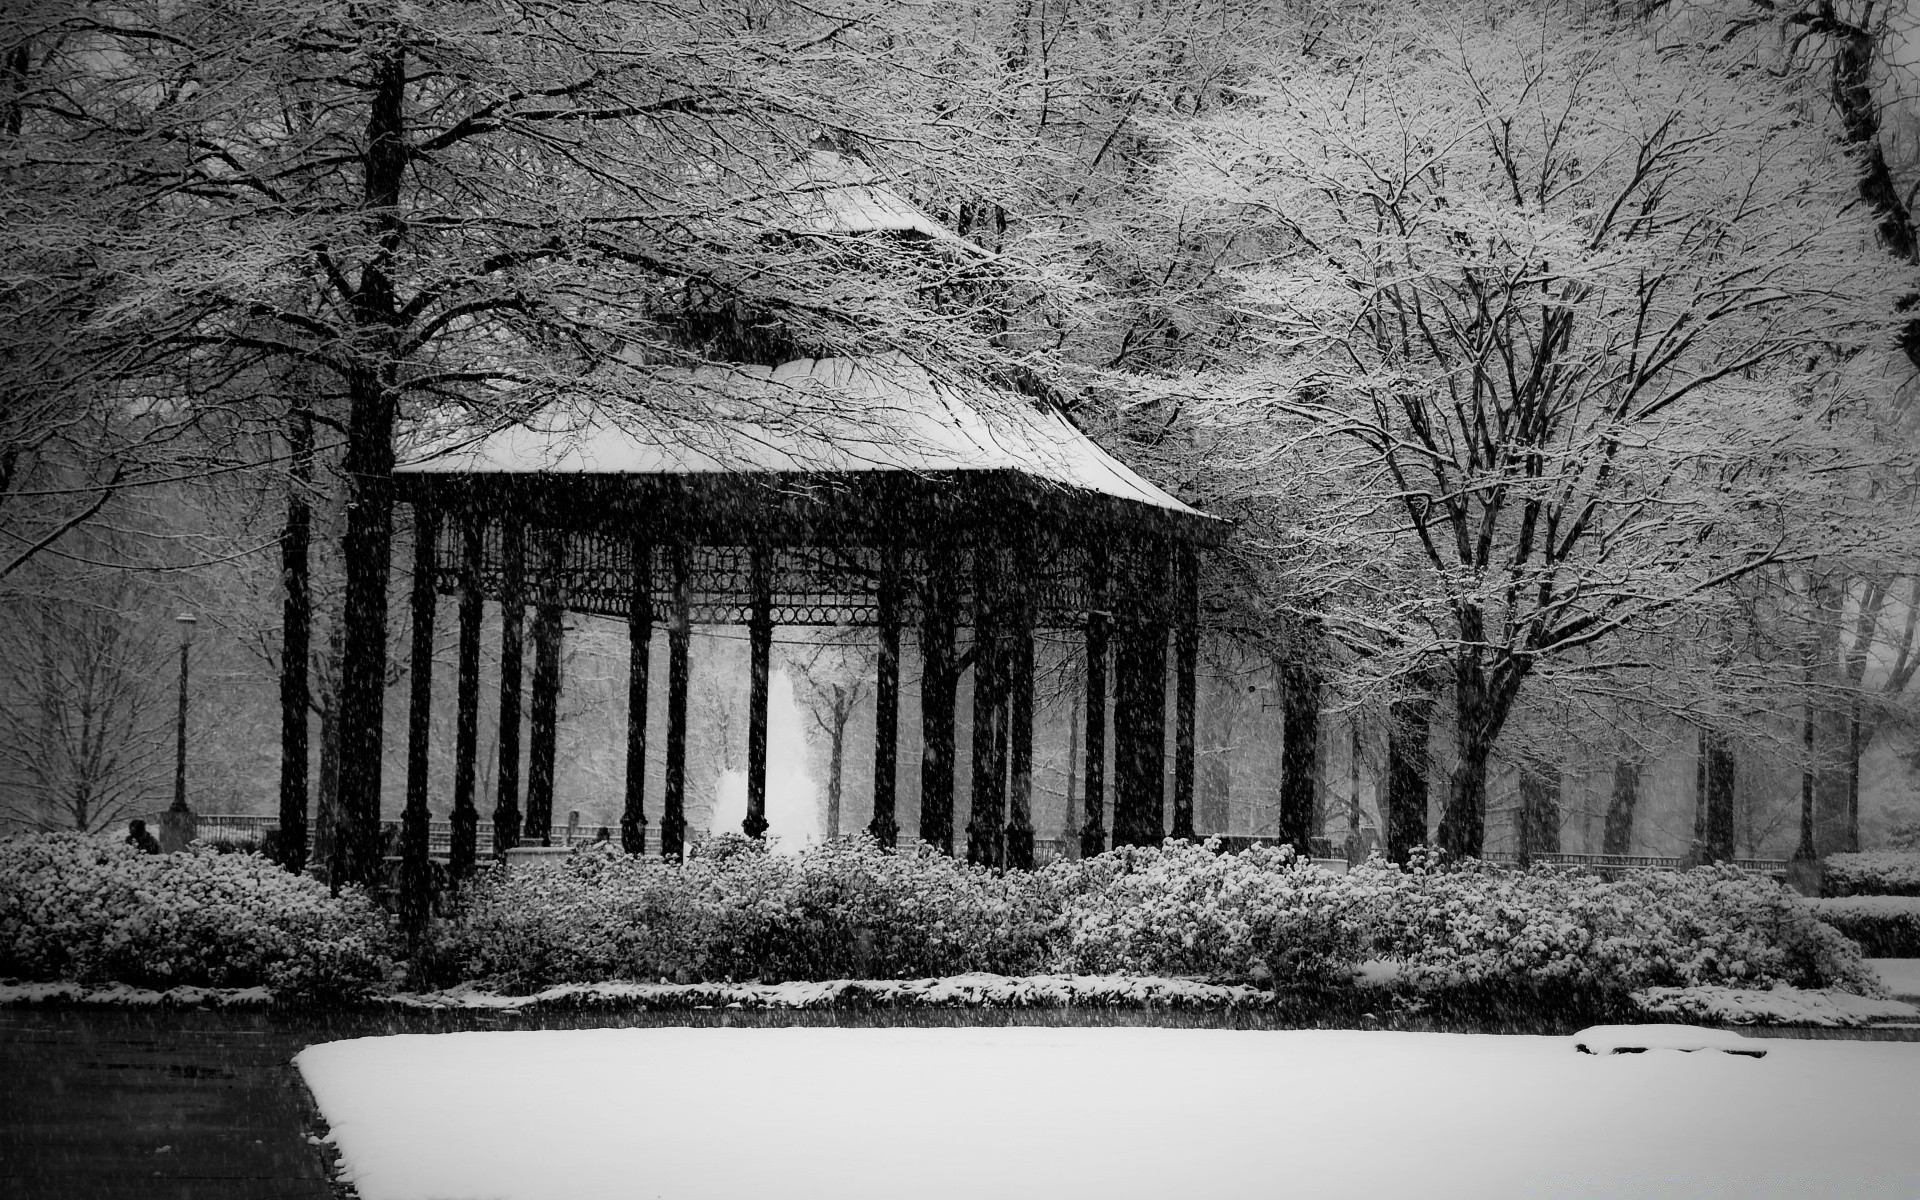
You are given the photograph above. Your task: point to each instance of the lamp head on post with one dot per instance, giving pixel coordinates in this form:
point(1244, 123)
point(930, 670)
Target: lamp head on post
point(187, 622)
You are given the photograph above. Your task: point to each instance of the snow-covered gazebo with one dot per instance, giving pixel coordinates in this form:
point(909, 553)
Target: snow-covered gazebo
point(818, 492)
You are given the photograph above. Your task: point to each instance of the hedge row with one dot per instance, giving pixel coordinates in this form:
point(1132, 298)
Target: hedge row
point(1871, 873)
point(852, 911)
point(90, 910)
point(1884, 926)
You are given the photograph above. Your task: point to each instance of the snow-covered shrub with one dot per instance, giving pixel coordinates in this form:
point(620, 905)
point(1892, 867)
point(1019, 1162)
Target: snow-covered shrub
point(1184, 909)
point(1872, 873)
point(1479, 925)
point(1884, 926)
point(94, 910)
point(835, 911)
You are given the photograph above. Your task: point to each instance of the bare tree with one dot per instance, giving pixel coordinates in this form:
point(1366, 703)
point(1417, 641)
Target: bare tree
point(86, 714)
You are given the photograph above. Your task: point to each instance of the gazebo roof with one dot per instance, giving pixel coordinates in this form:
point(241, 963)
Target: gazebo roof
point(814, 416)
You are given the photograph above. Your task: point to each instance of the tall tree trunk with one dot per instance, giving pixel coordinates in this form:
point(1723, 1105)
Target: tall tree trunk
point(1621, 805)
point(1409, 726)
point(1299, 752)
point(841, 711)
point(1070, 825)
point(1718, 825)
point(368, 542)
point(1539, 812)
point(295, 634)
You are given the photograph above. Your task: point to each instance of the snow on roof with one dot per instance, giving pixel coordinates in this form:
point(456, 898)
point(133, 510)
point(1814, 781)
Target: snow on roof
point(884, 413)
point(829, 192)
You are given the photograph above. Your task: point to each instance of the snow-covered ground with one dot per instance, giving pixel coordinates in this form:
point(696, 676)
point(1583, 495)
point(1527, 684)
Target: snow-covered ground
point(1159, 1114)
point(1901, 975)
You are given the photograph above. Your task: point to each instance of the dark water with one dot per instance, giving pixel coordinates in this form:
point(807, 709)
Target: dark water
point(108, 1103)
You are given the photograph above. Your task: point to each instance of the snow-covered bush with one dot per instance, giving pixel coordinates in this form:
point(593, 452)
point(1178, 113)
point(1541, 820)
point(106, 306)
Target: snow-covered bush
point(733, 912)
point(1479, 925)
point(1884, 926)
point(1183, 909)
point(93, 910)
point(851, 910)
point(1872, 873)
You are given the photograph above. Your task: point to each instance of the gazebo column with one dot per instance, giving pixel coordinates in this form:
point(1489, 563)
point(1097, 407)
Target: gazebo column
point(760, 628)
point(1140, 707)
point(1186, 670)
point(986, 843)
point(546, 692)
point(466, 728)
point(886, 702)
point(633, 817)
point(938, 682)
point(416, 878)
point(1019, 719)
point(513, 593)
point(673, 814)
point(1093, 835)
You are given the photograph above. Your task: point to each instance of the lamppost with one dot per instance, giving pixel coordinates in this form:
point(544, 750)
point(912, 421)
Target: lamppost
point(177, 825)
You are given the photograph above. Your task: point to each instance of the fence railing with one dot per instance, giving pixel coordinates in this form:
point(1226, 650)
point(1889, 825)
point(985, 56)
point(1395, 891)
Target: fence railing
point(252, 829)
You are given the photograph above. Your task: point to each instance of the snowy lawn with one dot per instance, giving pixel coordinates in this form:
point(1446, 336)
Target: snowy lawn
point(1901, 975)
point(987, 1114)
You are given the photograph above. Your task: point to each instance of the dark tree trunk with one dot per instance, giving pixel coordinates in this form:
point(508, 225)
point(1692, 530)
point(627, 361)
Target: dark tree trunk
point(1853, 773)
point(1139, 727)
point(1539, 812)
point(835, 759)
point(1617, 837)
point(463, 841)
point(1186, 685)
point(513, 611)
point(1019, 708)
point(1299, 752)
point(986, 816)
point(760, 672)
point(1409, 727)
point(1093, 834)
point(633, 813)
point(1718, 832)
point(416, 870)
point(883, 825)
point(673, 799)
point(368, 542)
point(938, 683)
point(542, 724)
point(296, 624)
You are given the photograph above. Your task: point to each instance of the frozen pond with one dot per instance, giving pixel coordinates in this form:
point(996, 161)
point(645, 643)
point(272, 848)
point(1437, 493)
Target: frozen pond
point(1109, 1112)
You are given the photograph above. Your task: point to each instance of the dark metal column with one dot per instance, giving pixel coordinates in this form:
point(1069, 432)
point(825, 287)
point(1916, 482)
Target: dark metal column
point(416, 872)
point(1019, 709)
point(886, 702)
point(1093, 835)
point(1186, 669)
point(466, 728)
point(542, 730)
point(760, 629)
point(633, 817)
point(513, 594)
point(938, 681)
point(673, 820)
point(986, 835)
